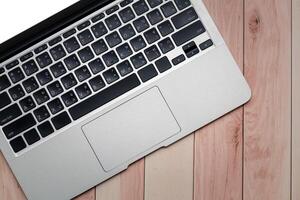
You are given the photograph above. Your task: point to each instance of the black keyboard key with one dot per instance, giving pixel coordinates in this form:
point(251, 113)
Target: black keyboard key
point(12, 64)
point(152, 53)
point(112, 9)
point(138, 43)
point(82, 74)
point(126, 15)
point(83, 25)
point(96, 66)
point(22, 124)
point(154, 17)
point(4, 100)
point(124, 68)
point(27, 104)
point(69, 33)
point(41, 114)
point(31, 136)
point(181, 4)
point(141, 24)
point(68, 81)
point(184, 18)
point(188, 33)
point(99, 29)
point(190, 49)
point(126, 2)
point(147, 73)
point(30, 85)
point(16, 75)
point(10, 113)
point(85, 37)
point(57, 52)
point(17, 144)
point(44, 60)
point(44, 77)
point(83, 91)
point(45, 129)
point(30, 67)
point(113, 39)
point(151, 35)
point(168, 9)
point(58, 69)
point(99, 47)
point(69, 98)
point(55, 41)
point(55, 106)
point(16, 92)
point(165, 28)
point(4, 82)
point(127, 32)
point(138, 60)
point(85, 54)
point(98, 17)
point(26, 57)
point(110, 58)
point(178, 59)
point(140, 7)
point(166, 45)
point(2, 70)
point(104, 96)
point(163, 64)
point(206, 44)
point(61, 120)
point(97, 83)
point(40, 49)
point(113, 22)
point(41, 96)
point(72, 62)
point(154, 3)
point(124, 51)
point(55, 89)
point(71, 45)
point(111, 75)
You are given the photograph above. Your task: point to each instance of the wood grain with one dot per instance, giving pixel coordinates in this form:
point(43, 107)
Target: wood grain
point(129, 185)
point(9, 188)
point(169, 172)
point(218, 147)
point(268, 115)
point(296, 102)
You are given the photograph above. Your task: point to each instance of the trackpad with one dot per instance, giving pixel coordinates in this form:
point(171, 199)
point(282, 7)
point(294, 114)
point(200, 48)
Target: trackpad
point(131, 129)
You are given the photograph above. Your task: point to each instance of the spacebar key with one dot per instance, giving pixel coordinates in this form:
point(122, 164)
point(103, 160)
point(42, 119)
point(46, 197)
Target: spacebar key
point(188, 33)
point(104, 96)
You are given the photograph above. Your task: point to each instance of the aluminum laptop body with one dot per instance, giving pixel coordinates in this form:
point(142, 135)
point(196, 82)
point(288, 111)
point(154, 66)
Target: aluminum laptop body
point(105, 131)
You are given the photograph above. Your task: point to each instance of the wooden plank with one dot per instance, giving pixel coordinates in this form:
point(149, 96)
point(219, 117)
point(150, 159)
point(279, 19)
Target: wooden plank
point(129, 185)
point(218, 147)
point(9, 188)
point(296, 102)
point(169, 172)
point(268, 115)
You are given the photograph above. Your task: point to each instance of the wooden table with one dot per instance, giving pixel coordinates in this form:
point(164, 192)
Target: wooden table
point(248, 153)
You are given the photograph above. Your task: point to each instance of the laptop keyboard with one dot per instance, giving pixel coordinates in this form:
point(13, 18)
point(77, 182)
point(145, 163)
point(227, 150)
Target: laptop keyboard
point(88, 66)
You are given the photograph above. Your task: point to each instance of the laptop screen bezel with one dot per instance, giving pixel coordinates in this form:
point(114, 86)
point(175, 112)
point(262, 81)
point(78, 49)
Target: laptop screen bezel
point(49, 27)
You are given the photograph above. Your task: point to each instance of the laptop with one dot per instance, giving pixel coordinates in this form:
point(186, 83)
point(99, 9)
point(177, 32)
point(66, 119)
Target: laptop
point(103, 83)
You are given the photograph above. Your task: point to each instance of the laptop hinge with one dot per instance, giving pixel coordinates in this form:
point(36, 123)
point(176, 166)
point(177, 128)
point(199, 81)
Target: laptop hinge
point(49, 27)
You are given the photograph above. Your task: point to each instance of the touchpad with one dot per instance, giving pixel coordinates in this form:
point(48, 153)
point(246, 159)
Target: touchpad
point(134, 127)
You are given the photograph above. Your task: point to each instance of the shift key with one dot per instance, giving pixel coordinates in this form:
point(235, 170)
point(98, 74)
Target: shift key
point(19, 126)
point(188, 33)
point(9, 113)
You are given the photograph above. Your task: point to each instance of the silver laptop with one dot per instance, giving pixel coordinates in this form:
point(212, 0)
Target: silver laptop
point(103, 83)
